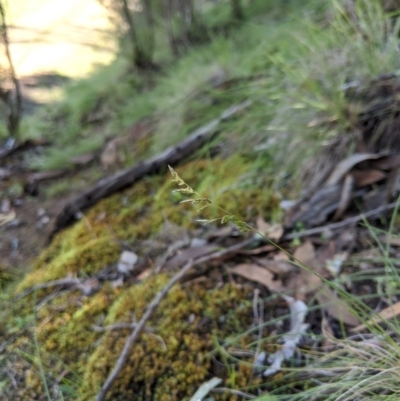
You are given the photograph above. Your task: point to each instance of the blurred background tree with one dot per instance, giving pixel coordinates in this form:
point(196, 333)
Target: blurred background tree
point(141, 23)
point(10, 92)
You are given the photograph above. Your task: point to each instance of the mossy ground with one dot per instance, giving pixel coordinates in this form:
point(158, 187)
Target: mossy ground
point(171, 364)
point(174, 360)
point(139, 213)
point(293, 68)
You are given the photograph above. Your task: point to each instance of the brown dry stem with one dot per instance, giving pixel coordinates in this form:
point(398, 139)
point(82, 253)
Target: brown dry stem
point(130, 341)
point(344, 223)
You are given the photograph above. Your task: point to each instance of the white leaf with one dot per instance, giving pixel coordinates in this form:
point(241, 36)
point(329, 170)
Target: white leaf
point(127, 261)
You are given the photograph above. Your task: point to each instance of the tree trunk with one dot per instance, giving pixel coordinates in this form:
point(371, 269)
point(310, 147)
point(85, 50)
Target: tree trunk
point(237, 10)
point(14, 105)
point(167, 14)
point(186, 19)
point(141, 57)
point(148, 11)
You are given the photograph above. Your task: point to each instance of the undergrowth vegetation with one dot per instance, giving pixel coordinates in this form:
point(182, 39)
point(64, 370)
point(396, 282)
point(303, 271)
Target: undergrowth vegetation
point(355, 367)
point(293, 65)
point(140, 218)
point(233, 67)
point(294, 62)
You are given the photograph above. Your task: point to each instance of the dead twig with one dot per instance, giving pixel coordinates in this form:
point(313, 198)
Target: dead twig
point(131, 326)
point(258, 319)
point(171, 250)
point(345, 197)
point(47, 299)
point(130, 341)
point(138, 329)
point(55, 283)
point(75, 282)
point(341, 224)
point(55, 389)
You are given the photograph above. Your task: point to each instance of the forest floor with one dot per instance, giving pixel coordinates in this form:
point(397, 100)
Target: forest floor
point(51, 45)
point(293, 288)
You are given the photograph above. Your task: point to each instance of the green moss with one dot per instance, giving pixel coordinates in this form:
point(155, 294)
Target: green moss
point(174, 360)
point(69, 334)
point(82, 259)
point(5, 275)
point(141, 211)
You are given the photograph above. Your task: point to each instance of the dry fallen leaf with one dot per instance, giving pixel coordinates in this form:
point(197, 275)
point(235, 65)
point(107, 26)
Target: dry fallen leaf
point(387, 162)
point(335, 307)
point(110, 155)
point(282, 256)
point(46, 175)
point(305, 281)
point(223, 232)
point(305, 254)
point(385, 314)
point(327, 333)
point(257, 251)
point(189, 253)
point(90, 286)
point(374, 199)
point(258, 274)
point(81, 160)
point(346, 165)
point(345, 241)
point(7, 217)
point(205, 388)
point(363, 178)
point(280, 267)
point(144, 274)
point(394, 241)
point(302, 284)
point(272, 231)
point(326, 251)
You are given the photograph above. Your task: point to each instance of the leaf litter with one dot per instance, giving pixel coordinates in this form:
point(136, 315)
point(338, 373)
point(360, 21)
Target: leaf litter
point(347, 191)
point(362, 182)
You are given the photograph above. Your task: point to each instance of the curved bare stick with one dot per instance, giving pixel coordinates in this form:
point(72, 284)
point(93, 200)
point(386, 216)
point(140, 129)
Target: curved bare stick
point(151, 308)
point(138, 329)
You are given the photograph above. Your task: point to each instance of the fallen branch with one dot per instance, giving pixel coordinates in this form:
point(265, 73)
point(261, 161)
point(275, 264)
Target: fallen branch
point(124, 178)
point(137, 331)
point(344, 223)
point(74, 282)
point(130, 341)
point(171, 249)
point(12, 146)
